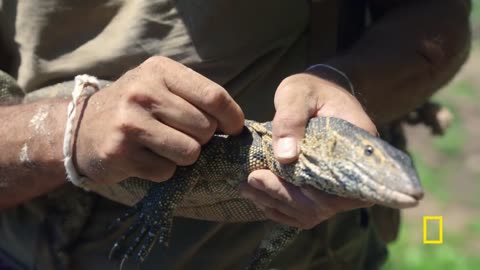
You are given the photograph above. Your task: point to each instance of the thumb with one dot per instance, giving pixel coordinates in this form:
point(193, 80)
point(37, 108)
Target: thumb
point(288, 125)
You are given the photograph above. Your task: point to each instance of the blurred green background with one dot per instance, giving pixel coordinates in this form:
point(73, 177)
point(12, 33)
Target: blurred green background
point(449, 167)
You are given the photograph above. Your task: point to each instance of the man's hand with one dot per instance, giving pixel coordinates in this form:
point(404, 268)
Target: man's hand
point(299, 98)
point(152, 119)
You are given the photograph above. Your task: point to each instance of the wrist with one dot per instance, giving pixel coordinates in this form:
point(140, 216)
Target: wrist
point(85, 85)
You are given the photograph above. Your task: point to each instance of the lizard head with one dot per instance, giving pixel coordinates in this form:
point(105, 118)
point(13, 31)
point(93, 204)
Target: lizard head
point(345, 160)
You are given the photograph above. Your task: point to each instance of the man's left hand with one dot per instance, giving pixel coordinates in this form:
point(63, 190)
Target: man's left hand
point(297, 99)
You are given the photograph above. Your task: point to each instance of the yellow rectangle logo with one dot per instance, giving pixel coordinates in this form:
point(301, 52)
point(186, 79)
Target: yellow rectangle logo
point(440, 230)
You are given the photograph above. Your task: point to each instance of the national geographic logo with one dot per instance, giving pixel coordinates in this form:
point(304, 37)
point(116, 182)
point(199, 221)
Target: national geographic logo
point(432, 221)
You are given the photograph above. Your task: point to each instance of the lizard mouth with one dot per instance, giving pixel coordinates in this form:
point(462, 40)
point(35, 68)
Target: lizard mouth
point(401, 200)
point(390, 193)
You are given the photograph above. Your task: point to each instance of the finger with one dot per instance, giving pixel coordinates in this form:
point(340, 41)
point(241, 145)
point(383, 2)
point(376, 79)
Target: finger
point(183, 116)
point(279, 217)
point(270, 212)
point(267, 181)
point(167, 142)
point(291, 117)
point(147, 165)
point(263, 201)
point(202, 93)
point(290, 200)
point(332, 203)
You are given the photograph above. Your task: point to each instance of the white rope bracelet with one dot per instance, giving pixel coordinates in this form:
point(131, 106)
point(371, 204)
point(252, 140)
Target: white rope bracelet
point(347, 82)
point(81, 83)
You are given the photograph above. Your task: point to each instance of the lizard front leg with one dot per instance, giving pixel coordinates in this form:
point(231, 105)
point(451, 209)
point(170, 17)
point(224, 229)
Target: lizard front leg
point(154, 219)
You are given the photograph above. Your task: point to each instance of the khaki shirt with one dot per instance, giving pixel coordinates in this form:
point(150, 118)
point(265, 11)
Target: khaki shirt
point(246, 46)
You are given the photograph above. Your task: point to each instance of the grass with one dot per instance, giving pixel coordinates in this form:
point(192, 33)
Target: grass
point(478, 184)
point(474, 226)
point(412, 255)
point(463, 88)
point(475, 15)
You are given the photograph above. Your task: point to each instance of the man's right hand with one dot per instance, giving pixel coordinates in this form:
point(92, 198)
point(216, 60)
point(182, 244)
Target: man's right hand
point(150, 120)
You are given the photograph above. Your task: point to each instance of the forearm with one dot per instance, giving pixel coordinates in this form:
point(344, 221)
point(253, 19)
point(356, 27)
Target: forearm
point(31, 160)
point(406, 55)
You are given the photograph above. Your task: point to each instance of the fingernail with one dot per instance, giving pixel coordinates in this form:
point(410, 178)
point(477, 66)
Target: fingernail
point(286, 147)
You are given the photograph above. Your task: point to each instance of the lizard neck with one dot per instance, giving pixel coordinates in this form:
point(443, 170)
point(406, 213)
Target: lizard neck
point(257, 157)
point(297, 171)
point(263, 149)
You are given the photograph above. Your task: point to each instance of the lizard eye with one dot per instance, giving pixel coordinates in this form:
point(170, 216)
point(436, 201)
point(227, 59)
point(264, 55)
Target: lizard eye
point(368, 150)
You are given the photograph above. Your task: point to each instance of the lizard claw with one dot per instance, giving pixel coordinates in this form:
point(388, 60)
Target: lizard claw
point(124, 237)
point(112, 251)
point(159, 233)
point(134, 245)
point(155, 219)
point(129, 213)
point(124, 259)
